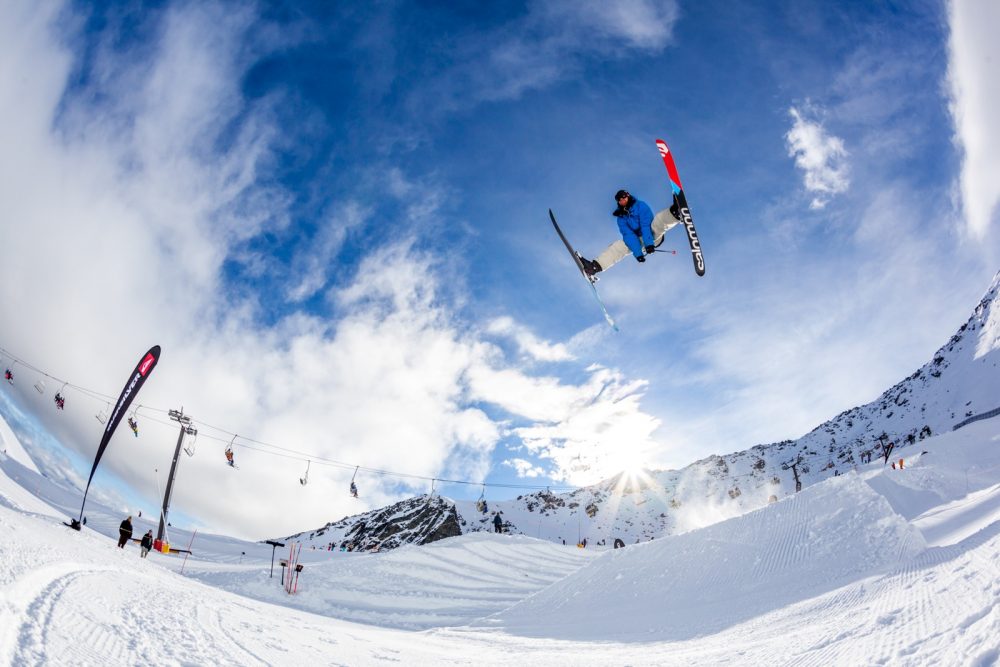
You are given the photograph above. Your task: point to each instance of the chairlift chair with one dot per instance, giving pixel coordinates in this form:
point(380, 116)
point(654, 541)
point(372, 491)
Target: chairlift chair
point(189, 449)
point(102, 416)
point(431, 494)
point(305, 480)
point(40, 386)
point(354, 487)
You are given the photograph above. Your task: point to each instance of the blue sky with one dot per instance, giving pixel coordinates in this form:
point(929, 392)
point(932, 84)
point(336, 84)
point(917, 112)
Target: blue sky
point(334, 222)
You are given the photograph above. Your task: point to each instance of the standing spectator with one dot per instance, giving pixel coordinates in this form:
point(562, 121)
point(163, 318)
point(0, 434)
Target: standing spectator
point(497, 523)
point(125, 532)
point(146, 544)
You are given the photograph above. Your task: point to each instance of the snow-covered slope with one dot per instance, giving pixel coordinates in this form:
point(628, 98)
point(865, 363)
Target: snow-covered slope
point(713, 578)
point(833, 575)
point(450, 582)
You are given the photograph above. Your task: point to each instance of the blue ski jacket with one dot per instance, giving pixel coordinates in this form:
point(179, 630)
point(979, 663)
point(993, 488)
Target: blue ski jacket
point(636, 227)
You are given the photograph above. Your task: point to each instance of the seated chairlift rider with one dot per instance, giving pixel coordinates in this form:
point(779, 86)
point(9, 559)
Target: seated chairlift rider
point(354, 487)
point(481, 503)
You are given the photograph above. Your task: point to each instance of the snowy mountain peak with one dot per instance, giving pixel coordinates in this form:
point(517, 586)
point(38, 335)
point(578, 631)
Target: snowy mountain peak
point(417, 520)
point(989, 318)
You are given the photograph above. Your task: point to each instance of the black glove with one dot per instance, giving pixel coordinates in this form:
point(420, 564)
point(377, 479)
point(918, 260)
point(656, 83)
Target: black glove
point(650, 249)
point(640, 258)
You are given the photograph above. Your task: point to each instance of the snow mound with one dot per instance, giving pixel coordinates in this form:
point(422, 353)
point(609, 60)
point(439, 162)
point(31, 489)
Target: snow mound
point(948, 471)
point(19, 484)
point(11, 447)
point(702, 582)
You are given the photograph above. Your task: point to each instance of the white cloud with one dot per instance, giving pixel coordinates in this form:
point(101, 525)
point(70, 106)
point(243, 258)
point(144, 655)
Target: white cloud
point(545, 44)
point(975, 97)
point(313, 265)
point(602, 429)
point(528, 343)
point(524, 468)
point(640, 24)
point(821, 156)
point(118, 221)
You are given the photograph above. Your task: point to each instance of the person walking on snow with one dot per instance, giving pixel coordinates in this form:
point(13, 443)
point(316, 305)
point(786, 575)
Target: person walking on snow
point(146, 544)
point(641, 232)
point(124, 532)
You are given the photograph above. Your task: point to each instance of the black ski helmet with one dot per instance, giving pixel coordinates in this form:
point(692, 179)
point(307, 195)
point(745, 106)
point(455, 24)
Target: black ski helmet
point(621, 193)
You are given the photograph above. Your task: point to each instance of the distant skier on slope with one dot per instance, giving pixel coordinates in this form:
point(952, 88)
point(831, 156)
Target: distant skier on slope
point(497, 523)
point(641, 232)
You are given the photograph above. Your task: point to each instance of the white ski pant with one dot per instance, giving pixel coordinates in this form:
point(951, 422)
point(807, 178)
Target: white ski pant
point(617, 251)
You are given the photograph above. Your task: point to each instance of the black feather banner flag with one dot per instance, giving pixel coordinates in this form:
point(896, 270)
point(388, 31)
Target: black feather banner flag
point(132, 387)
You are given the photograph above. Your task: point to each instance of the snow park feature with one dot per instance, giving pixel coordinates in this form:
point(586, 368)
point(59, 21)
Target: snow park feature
point(722, 562)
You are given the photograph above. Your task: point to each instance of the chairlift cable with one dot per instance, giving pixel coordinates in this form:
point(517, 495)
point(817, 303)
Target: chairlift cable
point(266, 447)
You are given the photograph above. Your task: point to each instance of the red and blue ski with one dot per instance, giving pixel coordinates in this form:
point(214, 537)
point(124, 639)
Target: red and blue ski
point(682, 207)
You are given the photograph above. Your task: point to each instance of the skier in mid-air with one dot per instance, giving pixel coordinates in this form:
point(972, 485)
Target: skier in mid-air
point(641, 232)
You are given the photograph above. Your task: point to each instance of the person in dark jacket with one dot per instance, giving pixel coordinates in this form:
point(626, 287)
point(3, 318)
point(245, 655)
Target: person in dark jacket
point(124, 532)
point(147, 543)
point(497, 523)
point(641, 232)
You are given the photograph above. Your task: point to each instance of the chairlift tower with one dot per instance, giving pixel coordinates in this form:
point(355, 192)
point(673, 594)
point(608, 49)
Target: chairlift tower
point(186, 429)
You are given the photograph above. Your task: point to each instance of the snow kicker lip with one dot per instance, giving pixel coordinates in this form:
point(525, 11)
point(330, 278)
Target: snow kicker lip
point(829, 535)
